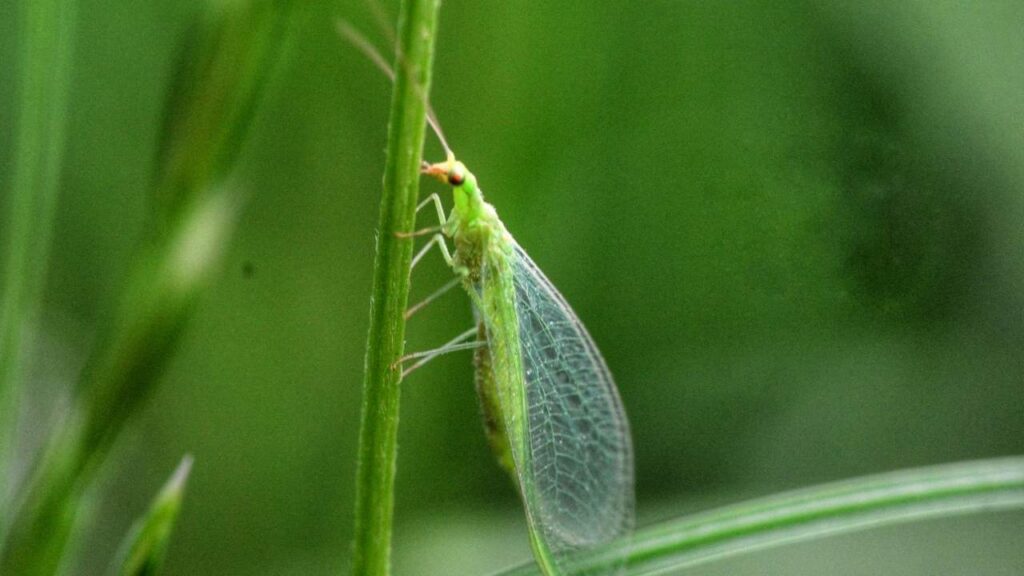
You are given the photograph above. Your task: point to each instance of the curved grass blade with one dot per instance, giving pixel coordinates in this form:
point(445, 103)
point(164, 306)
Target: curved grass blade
point(143, 550)
point(812, 513)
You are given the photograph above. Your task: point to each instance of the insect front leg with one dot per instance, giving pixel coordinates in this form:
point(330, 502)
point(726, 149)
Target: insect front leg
point(441, 218)
point(460, 271)
point(439, 240)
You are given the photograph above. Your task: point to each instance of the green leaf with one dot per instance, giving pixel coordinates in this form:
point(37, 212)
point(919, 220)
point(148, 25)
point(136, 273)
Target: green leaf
point(143, 550)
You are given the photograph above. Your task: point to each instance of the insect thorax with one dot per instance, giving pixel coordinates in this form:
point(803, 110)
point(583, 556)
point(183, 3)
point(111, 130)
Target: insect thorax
point(475, 242)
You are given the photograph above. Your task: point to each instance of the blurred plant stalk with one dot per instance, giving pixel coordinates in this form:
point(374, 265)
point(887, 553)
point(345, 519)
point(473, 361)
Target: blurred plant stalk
point(158, 300)
point(220, 78)
point(144, 549)
point(44, 67)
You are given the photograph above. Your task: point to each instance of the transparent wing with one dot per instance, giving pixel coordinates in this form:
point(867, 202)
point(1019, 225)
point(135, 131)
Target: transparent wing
point(580, 455)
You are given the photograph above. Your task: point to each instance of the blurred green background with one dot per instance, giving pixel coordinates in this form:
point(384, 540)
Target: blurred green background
point(795, 230)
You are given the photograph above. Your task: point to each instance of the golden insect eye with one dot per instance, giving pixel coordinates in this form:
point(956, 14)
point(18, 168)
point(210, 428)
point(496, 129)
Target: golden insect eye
point(456, 177)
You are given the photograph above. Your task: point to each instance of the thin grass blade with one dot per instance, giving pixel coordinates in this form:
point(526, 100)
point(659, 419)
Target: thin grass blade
point(828, 510)
point(143, 550)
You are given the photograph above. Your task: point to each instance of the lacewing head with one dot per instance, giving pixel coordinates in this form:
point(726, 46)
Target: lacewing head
point(450, 172)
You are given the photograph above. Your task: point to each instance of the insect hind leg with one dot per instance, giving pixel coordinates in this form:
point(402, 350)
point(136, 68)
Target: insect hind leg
point(453, 345)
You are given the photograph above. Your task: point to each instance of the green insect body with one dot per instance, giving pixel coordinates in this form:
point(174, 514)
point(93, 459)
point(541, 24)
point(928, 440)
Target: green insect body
point(481, 242)
point(551, 410)
point(490, 408)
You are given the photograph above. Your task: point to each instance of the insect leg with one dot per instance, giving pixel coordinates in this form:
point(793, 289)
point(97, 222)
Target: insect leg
point(436, 199)
point(437, 240)
point(453, 345)
point(437, 294)
point(420, 232)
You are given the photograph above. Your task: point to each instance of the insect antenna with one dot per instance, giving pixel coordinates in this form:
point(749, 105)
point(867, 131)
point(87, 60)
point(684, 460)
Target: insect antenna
point(360, 42)
point(382, 19)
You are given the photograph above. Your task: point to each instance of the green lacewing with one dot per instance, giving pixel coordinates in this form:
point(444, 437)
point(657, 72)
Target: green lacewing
point(551, 409)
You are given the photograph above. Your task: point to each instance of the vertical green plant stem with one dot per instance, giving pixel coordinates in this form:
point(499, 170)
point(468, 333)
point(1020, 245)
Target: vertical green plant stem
point(45, 42)
point(378, 432)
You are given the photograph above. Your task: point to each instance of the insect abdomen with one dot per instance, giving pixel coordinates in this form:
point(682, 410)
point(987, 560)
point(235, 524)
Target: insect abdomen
point(490, 408)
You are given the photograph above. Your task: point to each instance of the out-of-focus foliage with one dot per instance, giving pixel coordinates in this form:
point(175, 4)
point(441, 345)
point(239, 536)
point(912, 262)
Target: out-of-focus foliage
point(794, 230)
point(145, 546)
